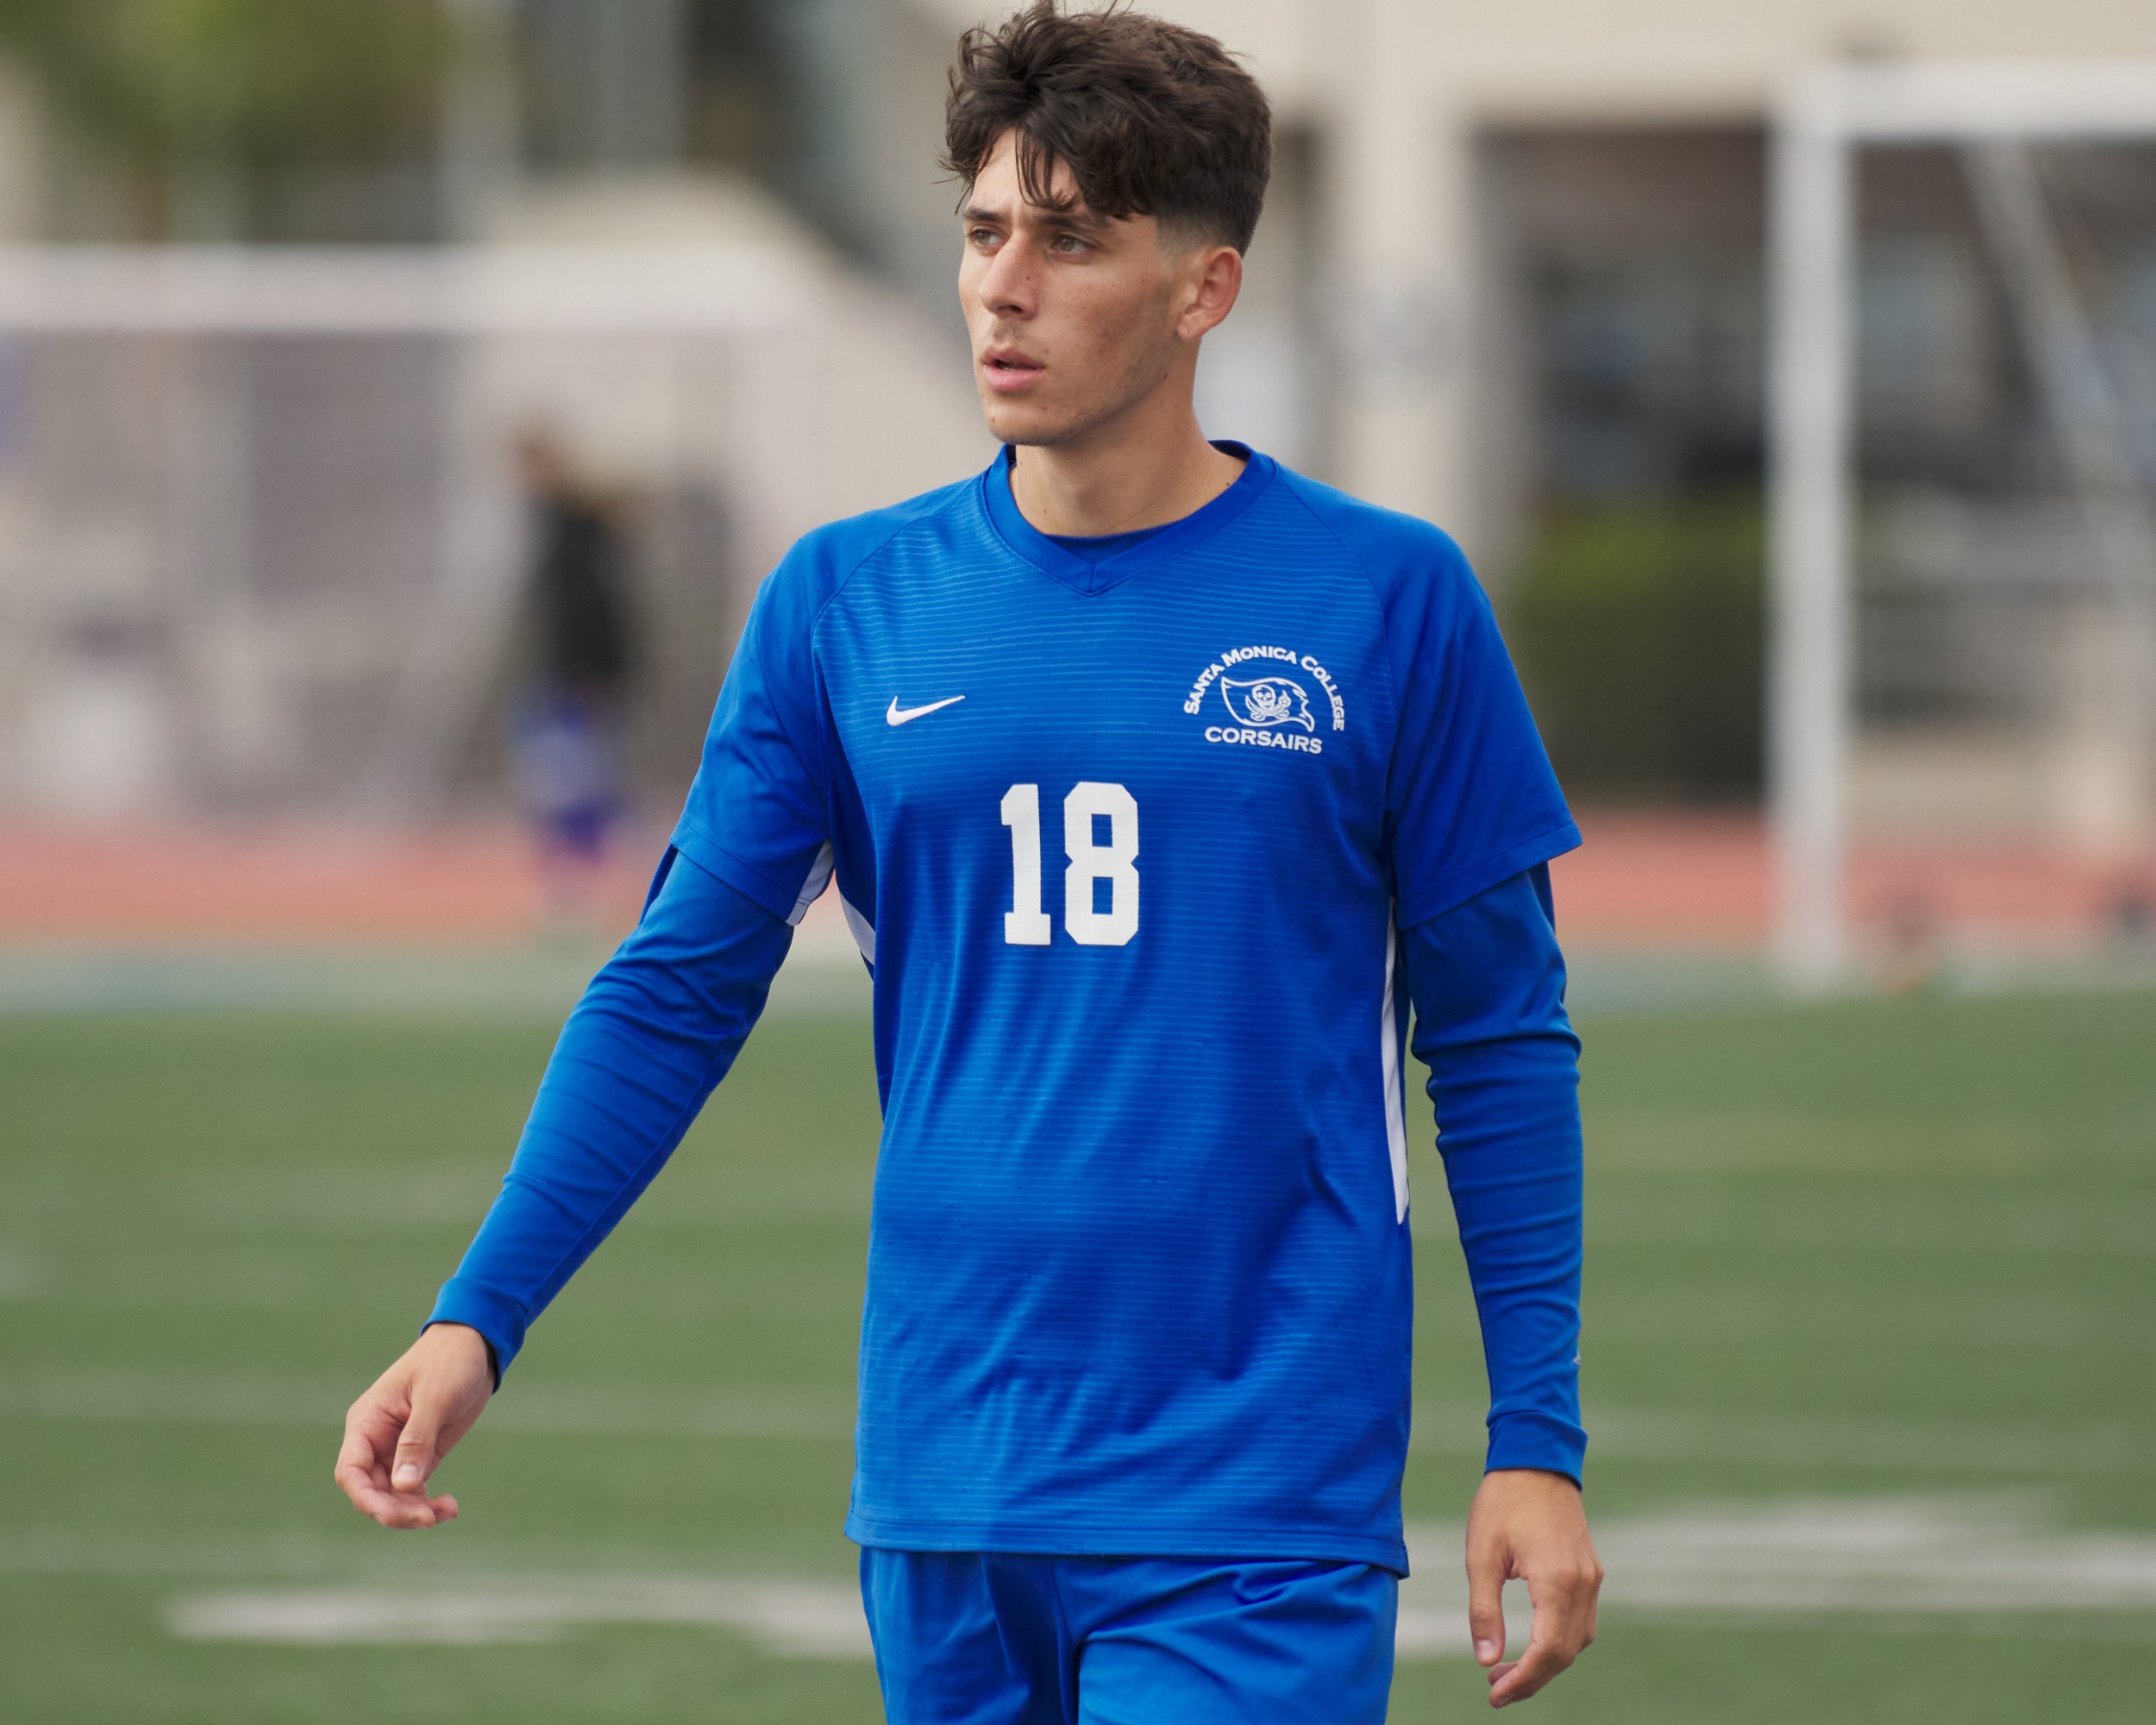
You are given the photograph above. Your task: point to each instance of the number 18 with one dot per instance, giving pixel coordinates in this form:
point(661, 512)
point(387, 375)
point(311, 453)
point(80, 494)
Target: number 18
point(1026, 923)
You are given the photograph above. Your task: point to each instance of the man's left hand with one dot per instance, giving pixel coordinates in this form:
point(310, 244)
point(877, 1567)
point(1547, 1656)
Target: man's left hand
point(1530, 1526)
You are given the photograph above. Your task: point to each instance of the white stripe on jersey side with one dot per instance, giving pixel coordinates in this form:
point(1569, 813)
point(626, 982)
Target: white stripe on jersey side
point(1395, 1104)
point(864, 931)
point(819, 877)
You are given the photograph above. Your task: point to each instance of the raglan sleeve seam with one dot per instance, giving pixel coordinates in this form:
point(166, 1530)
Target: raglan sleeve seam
point(1463, 882)
point(815, 630)
point(1384, 624)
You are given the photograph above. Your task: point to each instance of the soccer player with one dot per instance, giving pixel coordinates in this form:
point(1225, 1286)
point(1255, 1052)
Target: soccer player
point(1158, 782)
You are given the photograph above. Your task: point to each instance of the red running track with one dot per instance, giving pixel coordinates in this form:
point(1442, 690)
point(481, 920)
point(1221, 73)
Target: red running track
point(1641, 880)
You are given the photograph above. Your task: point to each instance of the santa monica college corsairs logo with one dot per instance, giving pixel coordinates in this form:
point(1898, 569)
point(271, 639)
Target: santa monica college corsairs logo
point(1267, 700)
point(1272, 711)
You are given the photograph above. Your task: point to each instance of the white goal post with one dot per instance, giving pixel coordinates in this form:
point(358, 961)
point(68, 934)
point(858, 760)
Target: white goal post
point(1990, 110)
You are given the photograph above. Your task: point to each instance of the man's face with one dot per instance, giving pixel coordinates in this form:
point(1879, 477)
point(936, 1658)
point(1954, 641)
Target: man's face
point(1072, 317)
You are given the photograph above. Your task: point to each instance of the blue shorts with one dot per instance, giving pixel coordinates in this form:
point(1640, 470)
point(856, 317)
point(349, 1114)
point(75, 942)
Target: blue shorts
point(999, 1637)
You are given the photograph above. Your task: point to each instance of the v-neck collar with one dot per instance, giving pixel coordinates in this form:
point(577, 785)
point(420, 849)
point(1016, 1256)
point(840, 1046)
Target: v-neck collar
point(1171, 540)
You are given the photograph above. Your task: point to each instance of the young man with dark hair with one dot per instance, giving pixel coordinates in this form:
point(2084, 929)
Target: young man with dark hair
point(1134, 1360)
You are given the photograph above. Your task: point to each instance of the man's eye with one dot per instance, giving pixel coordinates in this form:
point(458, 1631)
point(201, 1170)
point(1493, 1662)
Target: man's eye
point(981, 236)
point(1068, 242)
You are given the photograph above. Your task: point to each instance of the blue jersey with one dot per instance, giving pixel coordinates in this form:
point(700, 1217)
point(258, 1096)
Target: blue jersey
point(1127, 842)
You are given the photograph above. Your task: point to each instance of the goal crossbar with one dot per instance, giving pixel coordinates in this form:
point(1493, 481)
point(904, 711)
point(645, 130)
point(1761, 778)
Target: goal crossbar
point(473, 290)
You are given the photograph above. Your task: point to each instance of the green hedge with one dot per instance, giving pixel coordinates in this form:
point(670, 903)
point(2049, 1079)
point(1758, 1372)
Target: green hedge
point(1638, 634)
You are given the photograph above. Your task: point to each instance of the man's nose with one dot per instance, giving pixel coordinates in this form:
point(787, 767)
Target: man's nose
point(1008, 283)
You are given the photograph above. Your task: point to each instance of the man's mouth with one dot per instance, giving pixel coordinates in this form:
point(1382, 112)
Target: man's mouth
point(1007, 369)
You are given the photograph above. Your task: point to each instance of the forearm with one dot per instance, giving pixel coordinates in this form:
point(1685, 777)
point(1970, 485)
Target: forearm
point(1488, 983)
point(655, 1031)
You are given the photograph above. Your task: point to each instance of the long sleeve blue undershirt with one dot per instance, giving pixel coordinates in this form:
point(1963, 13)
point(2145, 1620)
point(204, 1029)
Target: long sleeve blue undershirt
point(660, 1023)
point(1488, 984)
point(654, 1033)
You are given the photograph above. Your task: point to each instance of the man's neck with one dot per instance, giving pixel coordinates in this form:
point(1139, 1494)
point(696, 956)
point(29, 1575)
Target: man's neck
point(1119, 484)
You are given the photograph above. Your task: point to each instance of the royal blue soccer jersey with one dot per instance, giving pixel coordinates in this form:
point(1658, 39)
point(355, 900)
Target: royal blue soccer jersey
point(1126, 841)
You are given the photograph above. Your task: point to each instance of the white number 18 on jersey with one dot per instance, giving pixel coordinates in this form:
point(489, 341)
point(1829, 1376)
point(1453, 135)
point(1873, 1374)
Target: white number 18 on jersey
point(1026, 923)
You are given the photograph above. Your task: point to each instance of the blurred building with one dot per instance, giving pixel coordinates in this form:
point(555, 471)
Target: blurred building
point(1510, 277)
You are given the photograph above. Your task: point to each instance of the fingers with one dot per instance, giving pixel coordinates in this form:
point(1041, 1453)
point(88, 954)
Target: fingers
point(397, 1508)
point(364, 1476)
point(397, 1433)
point(362, 1479)
point(1527, 1673)
point(1528, 1523)
point(1486, 1601)
point(1563, 1625)
point(448, 1390)
point(419, 1447)
point(414, 1456)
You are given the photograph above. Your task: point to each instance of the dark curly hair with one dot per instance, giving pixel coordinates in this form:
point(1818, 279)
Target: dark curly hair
point(1153, 119)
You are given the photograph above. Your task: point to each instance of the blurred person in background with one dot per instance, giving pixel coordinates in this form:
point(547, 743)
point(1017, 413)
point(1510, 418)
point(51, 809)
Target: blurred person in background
point(566, 722)
point(1134, 1376)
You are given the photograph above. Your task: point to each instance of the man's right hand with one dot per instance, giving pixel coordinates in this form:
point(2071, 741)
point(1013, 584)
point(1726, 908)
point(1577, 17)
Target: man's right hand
point(397, 1433)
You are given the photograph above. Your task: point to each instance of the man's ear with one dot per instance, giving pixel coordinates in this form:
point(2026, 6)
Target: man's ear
point(1211, 276)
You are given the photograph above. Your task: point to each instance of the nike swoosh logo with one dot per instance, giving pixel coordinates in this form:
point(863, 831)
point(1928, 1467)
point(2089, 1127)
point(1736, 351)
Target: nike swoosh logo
point(905, 715)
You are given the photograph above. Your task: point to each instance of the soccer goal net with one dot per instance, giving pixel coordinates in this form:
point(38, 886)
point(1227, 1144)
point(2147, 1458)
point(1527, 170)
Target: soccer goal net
point(263, 541)
point(1962, 717)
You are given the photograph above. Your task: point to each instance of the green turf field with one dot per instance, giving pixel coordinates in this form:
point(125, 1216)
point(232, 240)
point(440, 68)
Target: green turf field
point(1871, 1366)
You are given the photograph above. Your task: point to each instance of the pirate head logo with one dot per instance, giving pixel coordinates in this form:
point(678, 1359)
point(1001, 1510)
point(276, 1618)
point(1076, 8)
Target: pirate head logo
point(1264, 701)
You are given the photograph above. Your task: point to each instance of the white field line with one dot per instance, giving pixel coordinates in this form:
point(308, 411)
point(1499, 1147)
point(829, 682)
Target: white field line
point(816, 1620)
point(1962, 1448)
point(1887, 1560)
point(1898, 1555)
